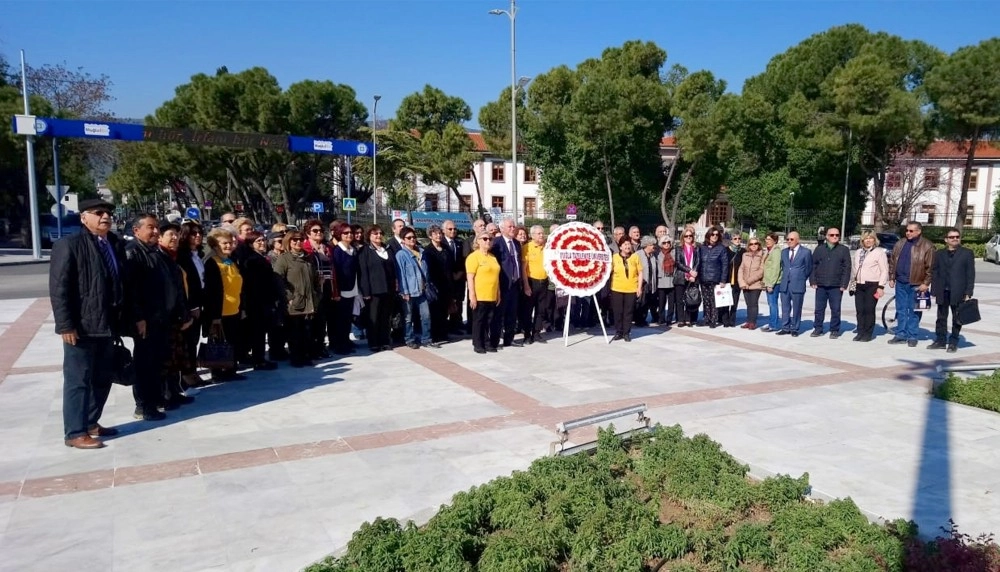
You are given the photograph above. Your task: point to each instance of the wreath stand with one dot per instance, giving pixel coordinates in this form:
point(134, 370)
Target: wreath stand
point(569, 307)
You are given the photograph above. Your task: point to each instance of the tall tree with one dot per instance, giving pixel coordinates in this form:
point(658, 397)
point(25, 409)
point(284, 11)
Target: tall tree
point(595, 131)
point(965, 89)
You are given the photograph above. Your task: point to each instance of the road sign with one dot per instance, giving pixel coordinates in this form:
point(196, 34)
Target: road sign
point(193, 212)
point(571, 209)
point(570, 216)
point(208, 204)
point(317, 207)
point(349, 204)
point(52, 191)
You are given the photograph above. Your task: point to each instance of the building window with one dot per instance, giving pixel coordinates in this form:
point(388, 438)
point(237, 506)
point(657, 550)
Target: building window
point(973, 180)
point(894, 180)
point(431, 202)
point(498, 169)
point(468, 174)
point(530, 175)
point(496, 202)
point(529, 206)
point(932, 177)
point(892, 213)
point(719, 213)
point(928, 210)
point(970, 213)
point(465, 203)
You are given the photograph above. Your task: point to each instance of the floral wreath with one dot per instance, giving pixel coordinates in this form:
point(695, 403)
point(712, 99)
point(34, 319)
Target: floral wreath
point(577, 259)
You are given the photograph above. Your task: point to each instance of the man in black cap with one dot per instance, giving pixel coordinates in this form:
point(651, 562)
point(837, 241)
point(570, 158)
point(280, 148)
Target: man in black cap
point(85, 289)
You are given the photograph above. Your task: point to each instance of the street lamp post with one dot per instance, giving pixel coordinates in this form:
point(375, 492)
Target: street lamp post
point(512, 14)
point(374, 163)
point(847, 179)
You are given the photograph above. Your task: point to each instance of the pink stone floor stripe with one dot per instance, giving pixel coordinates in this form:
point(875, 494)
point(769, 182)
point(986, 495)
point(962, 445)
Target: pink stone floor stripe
point(15, 339)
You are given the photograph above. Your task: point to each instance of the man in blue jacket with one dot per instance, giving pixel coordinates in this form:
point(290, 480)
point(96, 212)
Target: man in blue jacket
point(831, 274)
point(796, 265)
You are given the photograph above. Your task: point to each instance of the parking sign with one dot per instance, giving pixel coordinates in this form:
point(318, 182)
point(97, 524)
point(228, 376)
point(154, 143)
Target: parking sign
point(317, 207)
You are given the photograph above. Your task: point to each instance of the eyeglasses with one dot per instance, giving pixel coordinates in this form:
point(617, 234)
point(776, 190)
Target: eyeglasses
point(100, 212)
point(484, 238)
point(294, 240)
point(377, 233)
point(911, 230)
point(228, 221)
point(953, 237)
point(600, 228)
point(833, 235)
point(409, 237)
point(315, 231)
point(754, 244)
point(688, 236)
point(348, 232)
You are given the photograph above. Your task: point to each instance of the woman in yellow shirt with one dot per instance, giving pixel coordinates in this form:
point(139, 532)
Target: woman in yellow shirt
point(626, 286)
point(223, 289)
point(483, 274)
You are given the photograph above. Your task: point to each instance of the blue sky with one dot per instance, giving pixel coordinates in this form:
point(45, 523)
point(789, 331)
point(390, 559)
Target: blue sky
point(394, 47)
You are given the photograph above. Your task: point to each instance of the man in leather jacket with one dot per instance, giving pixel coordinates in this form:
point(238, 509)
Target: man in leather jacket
point(910, 274)
point(85, 289)
point(155, 302)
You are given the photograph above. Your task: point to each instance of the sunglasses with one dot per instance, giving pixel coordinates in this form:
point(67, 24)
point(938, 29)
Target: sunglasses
point(953, 237)
point(484, 238)
point(754, 244)
point(316, 231)
point(833, 236)
point(295, 240)
point(688, 236)
point(911, 230)
point(409, 237)
point(100, 212)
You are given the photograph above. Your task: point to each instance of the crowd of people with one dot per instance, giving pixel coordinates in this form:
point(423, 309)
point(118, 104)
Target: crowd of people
point(294, 295)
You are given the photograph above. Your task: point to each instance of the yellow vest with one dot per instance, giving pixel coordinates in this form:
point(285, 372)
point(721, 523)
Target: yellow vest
point(534, 260)
point(619, 281)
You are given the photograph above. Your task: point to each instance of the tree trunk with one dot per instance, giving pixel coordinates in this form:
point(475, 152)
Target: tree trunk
point(607, 182)
point(878, 201)
point(479, 194)
point(680, 191)
point(963, 197)
point(666, 191)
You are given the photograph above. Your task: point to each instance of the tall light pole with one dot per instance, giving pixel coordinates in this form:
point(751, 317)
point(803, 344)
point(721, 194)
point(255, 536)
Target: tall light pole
point(847, 178)
point(36, 234)
point(374, 164)
point(512, 14)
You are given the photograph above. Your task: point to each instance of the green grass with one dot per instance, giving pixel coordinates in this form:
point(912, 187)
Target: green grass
point(982, 392)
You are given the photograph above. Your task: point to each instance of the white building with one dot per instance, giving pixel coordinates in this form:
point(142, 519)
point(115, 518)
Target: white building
point(930, 184)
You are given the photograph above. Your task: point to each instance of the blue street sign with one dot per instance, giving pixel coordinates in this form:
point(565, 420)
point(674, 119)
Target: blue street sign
point(317, 207)
point(193, 212)
point(350, 204)
point(298, 144)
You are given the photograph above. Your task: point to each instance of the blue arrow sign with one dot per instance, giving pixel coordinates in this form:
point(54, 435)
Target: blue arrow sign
point(193, 212)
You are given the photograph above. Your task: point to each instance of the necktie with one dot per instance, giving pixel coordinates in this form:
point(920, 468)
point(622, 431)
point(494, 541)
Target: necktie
point(109, 258)
point(791, 255)
point(513, 257)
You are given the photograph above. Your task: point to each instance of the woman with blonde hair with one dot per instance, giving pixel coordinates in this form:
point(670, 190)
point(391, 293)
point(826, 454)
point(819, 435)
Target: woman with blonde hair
point(751, 280)
point(871, 272)
point(222, 314)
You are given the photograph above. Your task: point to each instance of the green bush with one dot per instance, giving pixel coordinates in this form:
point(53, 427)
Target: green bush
point(982, 391)
point(660, 502)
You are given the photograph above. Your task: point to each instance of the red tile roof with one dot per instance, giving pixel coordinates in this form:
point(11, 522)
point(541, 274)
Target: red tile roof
point(953, 150)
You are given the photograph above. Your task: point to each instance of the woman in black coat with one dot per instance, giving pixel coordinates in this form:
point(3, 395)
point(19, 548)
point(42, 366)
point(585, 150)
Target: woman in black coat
point(377, 283)
point(440, 267)
point(260, 297)
point(189, 258)
point(714, 272)
point(687, 264)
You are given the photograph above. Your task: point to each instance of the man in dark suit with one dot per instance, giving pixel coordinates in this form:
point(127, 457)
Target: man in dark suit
point(458, 285)
point(395, 244)
point(796, 265)
point(953, 276)
point(508, 252)
point(87, 293)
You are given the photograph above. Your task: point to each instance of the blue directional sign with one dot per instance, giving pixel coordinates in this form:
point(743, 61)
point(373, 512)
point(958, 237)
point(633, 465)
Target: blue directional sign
point(193, 212)
point(317, 207)
point(349, 204)
point(53, 127)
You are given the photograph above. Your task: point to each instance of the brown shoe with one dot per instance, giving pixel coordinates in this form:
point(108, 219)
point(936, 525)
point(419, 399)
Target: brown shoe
point(98, 431)
point(84, 442)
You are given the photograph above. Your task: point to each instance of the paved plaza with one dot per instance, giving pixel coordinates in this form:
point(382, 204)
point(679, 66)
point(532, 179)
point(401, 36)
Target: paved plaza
point(274, 472)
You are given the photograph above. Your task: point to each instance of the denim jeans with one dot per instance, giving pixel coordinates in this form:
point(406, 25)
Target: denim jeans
point(774, 310)
point(418, 304)
point(86, 383)
point(907, 319)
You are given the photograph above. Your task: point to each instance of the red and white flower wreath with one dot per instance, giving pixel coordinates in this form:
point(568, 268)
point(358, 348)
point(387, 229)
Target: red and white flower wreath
point(577, 259)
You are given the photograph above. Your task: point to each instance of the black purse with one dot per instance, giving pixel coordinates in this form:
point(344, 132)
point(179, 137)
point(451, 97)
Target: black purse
point(692, 295)
point(430, 290)
point(122, 365)
point(216, 353)
point(968, 312)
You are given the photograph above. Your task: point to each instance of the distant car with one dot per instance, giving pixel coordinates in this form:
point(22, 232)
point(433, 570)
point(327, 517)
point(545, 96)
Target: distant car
point(49, 229)
point(992, 253)
point(887, 240)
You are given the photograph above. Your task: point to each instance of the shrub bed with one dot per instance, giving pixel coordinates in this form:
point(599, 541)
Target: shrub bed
point(982, 391)
point(663, 502)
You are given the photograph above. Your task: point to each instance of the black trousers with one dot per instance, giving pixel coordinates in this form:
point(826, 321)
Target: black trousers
point(232, 330)
point(192, 337)
point(339, 327)
point(509, 301)
point(276, 334)
point(622, 309)
point(941, 326)
point(864, 305)
point(537, 307)
point(710, 313)
point(150, 358)
point(685, 313)
point(298, 332)
point(379, 320)
point(485, 326)
point(318, 325)
point(753, 309)
point(254, 330)
point(86, 383)
point(439, 318)
point(665, 306)
point(727, 315)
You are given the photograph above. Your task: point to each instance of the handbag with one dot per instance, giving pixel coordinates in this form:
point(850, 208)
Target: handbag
point(723, 295)
point(922, 301)
point(430, 290)
point(122, 366)
point(967, 312)
point(216, 353)
point(692, 295)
